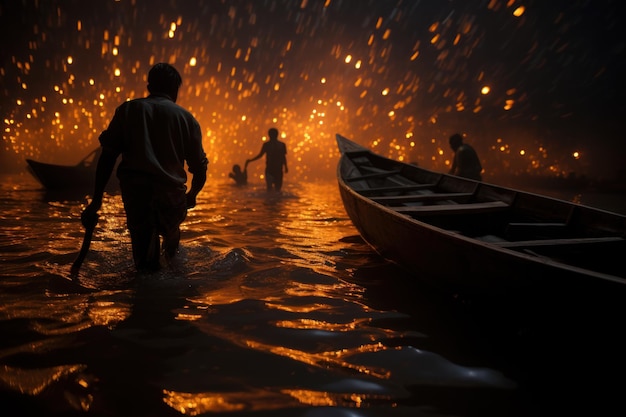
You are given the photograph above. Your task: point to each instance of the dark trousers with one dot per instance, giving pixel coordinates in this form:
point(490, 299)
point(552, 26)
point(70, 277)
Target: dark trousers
point(152, 211)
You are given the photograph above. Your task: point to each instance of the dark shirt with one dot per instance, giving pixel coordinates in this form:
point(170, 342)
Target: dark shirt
point(466, 163)
point(275, 152)
point(155, 137)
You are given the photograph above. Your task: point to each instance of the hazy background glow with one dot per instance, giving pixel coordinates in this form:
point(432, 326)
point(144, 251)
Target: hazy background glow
point(536, 85)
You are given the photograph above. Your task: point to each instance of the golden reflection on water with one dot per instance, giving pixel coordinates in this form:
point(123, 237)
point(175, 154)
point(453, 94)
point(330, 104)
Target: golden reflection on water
point(321, 325)
point(108, 313)
point(34, 381)
point(334, 359)
point(193, 404)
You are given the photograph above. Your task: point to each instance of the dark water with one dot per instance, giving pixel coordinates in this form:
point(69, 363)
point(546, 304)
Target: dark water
point(274, 308)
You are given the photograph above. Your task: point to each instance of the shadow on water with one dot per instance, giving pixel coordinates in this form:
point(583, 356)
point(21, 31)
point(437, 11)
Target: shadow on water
point(564, 348)
point(564, 354)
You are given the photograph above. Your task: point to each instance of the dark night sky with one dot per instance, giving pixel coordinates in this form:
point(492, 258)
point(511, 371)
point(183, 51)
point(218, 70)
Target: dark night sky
point(561, 62)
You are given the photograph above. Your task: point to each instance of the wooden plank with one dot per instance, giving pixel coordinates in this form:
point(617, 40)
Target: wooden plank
point(449, 209)
point(539, 225)
point(375, 175)
point(559, 242)
point(535, 230)
point(421, 197)
point(396, 188)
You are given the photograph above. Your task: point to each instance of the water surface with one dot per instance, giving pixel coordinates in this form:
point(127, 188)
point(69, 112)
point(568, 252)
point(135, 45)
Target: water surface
point(274, 307)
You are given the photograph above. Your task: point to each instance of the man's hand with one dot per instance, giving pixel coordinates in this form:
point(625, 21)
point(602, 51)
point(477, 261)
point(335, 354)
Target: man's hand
point(89, 216)
point(191, 200)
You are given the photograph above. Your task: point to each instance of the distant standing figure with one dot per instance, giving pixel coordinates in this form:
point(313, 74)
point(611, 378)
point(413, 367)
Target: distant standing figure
point(465, 163)
point(155, 137)
point(240, 177)
point(275, 153)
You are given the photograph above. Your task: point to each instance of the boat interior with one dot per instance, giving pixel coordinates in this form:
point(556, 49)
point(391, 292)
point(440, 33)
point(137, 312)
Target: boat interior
point(503, 217)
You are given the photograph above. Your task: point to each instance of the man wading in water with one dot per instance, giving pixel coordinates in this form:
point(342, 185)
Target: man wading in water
point(155, 138)
point(275, 153)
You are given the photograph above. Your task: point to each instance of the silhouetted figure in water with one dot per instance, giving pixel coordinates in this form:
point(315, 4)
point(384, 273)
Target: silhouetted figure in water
point(155, 137)
point(275, 153)
point(465, 163)
point(240, 177)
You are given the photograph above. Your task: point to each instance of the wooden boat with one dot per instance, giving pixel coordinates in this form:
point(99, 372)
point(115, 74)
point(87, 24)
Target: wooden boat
point(66, 178)
point(471, 237)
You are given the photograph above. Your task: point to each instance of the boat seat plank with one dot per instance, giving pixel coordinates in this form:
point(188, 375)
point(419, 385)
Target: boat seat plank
point(375, 175)
point(560, 242)
point(541, 225)
point(421, 197)
point(459, 208)
point(396, 188)
point(535, 230)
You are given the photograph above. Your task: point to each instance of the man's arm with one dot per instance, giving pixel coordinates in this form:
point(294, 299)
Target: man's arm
point(197, 182)
point(256, 157)
point(105, 166)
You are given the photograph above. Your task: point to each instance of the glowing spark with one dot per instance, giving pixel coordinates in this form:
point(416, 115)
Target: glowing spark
point(519, 11)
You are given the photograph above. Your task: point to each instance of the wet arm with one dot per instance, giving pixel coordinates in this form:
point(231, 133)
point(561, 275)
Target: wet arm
point(197, 183)
point(256, 157)
point(105, 166)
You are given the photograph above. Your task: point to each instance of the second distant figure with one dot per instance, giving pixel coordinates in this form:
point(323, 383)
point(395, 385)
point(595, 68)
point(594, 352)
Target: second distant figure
point(240, 177)
point(275, 153)
point(465, 163)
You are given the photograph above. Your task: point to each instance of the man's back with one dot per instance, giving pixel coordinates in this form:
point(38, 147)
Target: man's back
point(155, 136)
point(468, 165)
point(275, 152)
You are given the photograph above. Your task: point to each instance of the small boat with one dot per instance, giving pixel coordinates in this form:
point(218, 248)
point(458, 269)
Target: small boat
point(474, 238)
point(79, 177)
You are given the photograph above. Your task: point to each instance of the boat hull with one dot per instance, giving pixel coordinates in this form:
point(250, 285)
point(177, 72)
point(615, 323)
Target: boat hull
point(79, 178)
point(460, 264)
point(60, 177)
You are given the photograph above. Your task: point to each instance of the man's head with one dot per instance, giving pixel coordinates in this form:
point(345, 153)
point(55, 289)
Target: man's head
point(165, 79)
point(273, 133)
point(456, 140)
